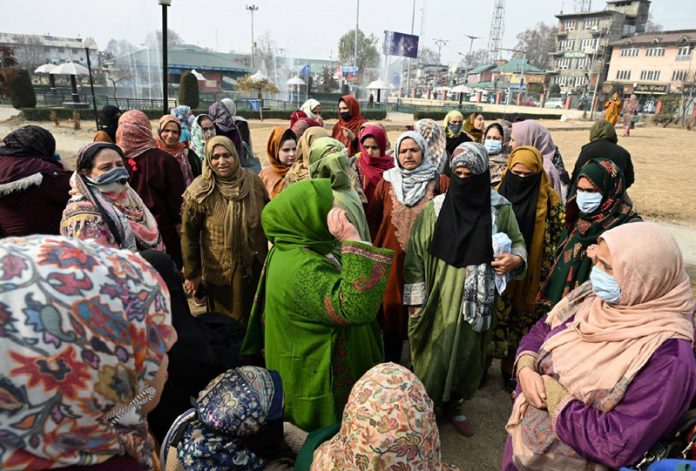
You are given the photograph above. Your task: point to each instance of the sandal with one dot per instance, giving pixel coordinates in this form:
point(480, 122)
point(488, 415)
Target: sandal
point(463, 425)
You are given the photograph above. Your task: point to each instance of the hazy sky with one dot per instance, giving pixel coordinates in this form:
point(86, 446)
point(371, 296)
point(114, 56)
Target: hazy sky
point(305, 28)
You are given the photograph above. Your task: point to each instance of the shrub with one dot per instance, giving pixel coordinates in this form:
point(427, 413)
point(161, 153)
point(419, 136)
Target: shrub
point(489, 115)
point(21, 90)
point(188, 90)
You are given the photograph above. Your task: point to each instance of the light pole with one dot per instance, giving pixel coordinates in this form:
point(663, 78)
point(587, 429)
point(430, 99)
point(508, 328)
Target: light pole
point(439, 43)
point(87, 43)
point(165, 59)
point(252, 9)
point(468, 58)
point(357, 18)
point(408, 80)
point(594, 93)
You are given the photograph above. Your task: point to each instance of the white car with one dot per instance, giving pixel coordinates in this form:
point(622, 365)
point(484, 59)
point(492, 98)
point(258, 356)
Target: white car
point(556, 103)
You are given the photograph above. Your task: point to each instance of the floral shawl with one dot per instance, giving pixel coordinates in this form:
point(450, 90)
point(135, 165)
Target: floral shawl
point(134, 134)
point(198, 136)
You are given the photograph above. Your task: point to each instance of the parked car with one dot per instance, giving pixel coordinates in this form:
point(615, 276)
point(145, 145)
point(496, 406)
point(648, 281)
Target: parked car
point(555, 102)
point(530, 101)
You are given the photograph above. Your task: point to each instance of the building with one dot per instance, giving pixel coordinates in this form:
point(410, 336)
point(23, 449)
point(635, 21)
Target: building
point(481, 73)
point(33, 50)
point(513, 70)
point(653, 63)
point(580, 61)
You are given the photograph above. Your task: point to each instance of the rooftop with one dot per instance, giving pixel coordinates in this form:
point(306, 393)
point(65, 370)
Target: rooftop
point(41, 40)
point(481, 68)
point(187, 56)
point(658, 37)
point(516, 66)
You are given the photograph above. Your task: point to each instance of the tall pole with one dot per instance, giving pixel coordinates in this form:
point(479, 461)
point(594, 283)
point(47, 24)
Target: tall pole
point(357, 18)
point(91, 85)
point(252, 9)
point(594, 93)
point(468, 59)
point(408, 80)
point(165, 59)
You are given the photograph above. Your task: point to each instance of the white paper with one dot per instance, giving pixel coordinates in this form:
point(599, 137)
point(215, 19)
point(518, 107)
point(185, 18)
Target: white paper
point(501, 244)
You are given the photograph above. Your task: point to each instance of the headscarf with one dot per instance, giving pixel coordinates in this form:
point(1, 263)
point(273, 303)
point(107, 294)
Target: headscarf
point(531, 199)
point(410, 185)
point(464, 228)
point(572, 266)
point(231, 108)
point(301, 125)
point(198, 135)
point(476, 134)
point(27, 151)
point(29, 141)
point(274, 177)
point(308, 108)
point(108, 120)
point(372, 168)
point(179, 150)
point(497, 162)
point(295, 116)
point(388, 423)
point(533, 133)
point(183, 113)
point(134, 134)
point(448, 118)
point(603, 129)
point(354, 123)
point(85, 330)
point(223, 117)
point(435, 139)
point(299, 170)
point(236, 407)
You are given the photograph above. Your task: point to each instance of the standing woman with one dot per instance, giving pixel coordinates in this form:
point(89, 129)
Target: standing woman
point(496, 140)
point(373, 160)
point(300, 169)
point(436, 141)
point(202, 129)
point(155, 176)
point(221, 235)
point(630, 115)
point(473, 126)
point(281, 152)
point(108, 124)
point(398, 199)
point(613, 106)
point(453, 124)
point(225, 124)
point(347, 128)
point(168, 133)
point(312, 108)
point(183, 114)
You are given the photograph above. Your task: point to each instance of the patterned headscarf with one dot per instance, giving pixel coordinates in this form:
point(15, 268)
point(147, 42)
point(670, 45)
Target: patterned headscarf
point(472, 156)
point(183, 114)
point(179, 150)
point(84, 330)
point(436, 140)
point(198, 135)
point(301, 125)
point(134, 134)
point(388, 423)
point(410, 185)
point(29, 141)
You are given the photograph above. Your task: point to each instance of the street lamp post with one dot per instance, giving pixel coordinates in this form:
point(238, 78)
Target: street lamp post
point(408, 80)
point(87, 43)
point(594, 56)
point(165, 63)
point(252, 9)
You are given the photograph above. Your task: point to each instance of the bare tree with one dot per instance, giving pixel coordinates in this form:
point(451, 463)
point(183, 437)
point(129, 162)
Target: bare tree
point(651, 26)
point(427, 56)
point(154, 40)
point(476, 58)
point(29, 51)
point(538, 42)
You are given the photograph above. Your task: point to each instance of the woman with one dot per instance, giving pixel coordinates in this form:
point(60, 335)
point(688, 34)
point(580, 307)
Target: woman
point(168, 133)
point(302, 125)
point(450, 286)
point(398, 199)
point(453, 123)
point(630, 115)
point(104, 208)
point(34, 185)
point(613, 106)
point(603, 144)
point(373, 160)
point(221, 236)
point(225, 124)
point(300, 169)
point(539, 215)
point(348, 125)
point(312, 108)
point(328, 159)
point(611, 369)
point(202, 129)
point(108, 124)
point(387, 409)
point(496, 140)
point(155, 176)
point(474, 126)
point(83, 361)
point(281, 152)
point(183, 114)
point(435, 139)
point(597, 202)
point(315, 319)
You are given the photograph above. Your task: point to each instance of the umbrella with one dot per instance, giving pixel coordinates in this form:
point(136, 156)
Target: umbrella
point(379, 85)
point(70, 68)
point(259, 76)
point(45, 68)
point(296, 81)
point(462, 89)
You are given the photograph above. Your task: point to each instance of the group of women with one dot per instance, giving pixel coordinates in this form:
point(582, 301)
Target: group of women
point(469, 241)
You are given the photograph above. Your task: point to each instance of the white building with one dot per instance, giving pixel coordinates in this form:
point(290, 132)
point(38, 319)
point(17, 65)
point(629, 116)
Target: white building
point(32, 50)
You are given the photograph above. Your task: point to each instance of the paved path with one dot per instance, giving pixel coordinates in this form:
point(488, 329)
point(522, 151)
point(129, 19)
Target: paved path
point(686, 238)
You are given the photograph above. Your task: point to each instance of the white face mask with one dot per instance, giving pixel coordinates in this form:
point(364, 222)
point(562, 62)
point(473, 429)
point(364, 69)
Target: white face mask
point(605, 286)
point(588, 202)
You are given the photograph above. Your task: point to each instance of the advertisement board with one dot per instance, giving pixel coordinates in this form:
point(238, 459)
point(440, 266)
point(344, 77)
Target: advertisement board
point(400, 44)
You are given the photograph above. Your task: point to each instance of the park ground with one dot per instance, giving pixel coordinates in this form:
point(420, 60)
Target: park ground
point(665, 167)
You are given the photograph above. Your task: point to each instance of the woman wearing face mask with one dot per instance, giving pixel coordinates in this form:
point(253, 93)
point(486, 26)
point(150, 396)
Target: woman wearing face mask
point(104, 208)
point(611, 368)
point(496, 140)
point(399, 198)
point(347, 128)
point(168, 133)
point(108, 124)
point(281, 152)
point(473, 126)
point(597, 202)
point(202, 129)
point(453, 123)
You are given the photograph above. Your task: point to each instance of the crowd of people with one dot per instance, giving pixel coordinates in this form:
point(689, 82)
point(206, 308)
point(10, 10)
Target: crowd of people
point(355, 291)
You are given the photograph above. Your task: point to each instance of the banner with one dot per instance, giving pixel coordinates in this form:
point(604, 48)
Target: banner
point(350, 73)
point(306, 71)
point(400, 44)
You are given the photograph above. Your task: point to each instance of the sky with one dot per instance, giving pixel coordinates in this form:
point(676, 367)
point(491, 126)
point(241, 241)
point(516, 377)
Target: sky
point(304, 28)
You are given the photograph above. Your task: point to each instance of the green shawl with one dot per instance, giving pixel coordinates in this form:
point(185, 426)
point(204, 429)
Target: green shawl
point(603, 129)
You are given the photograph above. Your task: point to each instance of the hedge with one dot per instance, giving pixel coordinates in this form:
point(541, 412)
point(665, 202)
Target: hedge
point(21, 90)
point(490, 115)
point(188, 90)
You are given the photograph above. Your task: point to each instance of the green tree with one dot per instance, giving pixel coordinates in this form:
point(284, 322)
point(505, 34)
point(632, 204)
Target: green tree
point(7, 70)
point(188, 90)
point(247, 84)
point(21, 90)
point(368, 55)
point(328, 81)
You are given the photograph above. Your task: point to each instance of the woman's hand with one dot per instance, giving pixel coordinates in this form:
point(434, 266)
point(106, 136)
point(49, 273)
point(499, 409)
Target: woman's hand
point(191, 286)
point(532, 387)
point(505, 263)
point(348, 134)
point(340, 227)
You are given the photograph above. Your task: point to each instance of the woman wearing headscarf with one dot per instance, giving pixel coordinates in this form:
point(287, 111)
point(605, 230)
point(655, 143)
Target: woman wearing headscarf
point(301, 126)
point(496, 140)
point(281, 152)
point(453, 123)
point(225, 124)
point(611, 368)
point(373, 160)
point(450, 286)
point(244, 131)
point(613, 106)
point(603, 144)
point(108, 124)
point(398, 199)
point(86, 330)
point(630, 113)
point(348, 125)
point(168, 132)
point(328, 159)
point(155, 176)
point(474, 126)
point(435, 139)
point(221, 236)
point(540, 215)
point(183, 114)
point(34, 185)
point(202, 129)
point(300, 169)
point(596, 203)
point(312, 108)
point(388, 407)
point(104, 208)
point(315, 318)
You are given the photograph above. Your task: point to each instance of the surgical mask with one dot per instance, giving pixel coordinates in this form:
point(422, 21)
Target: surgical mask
point(493, 146)
point(113, 181)
point(588, 202)
point(208, 134)
point(605, 286)
point(454, 128)
point(345, 116)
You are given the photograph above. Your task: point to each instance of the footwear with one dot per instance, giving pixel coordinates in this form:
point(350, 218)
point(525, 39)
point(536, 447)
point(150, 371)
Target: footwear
point(463, 425)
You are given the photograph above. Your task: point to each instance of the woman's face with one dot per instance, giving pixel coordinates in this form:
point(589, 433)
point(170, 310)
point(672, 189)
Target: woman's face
point(601, 256)
point(478, 122)
point(105, 160)
point(222, 161)
point(317, 110)
point(287, 153)
point(342, 107)
point(170, 133)
point(521, 170)
point(513, 142)
point(208, 128)
point(586, 185)
point(462, 172)
point(370, 146)
point(410, 155)
point(494, 134)
point(456, 121)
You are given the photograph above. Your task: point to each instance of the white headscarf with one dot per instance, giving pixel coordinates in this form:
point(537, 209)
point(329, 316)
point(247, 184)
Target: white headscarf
point(309, 106)
point(410, 185)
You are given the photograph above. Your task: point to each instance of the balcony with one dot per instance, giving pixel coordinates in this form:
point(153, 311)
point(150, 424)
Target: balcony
point(683, 58)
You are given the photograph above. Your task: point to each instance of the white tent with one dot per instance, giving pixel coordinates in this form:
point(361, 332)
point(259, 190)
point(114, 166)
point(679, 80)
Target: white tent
point(69, 68)
point(296, 82)
point(259, 76)
point(45, 68)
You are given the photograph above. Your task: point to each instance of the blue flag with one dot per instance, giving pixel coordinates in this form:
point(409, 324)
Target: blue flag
point(306, 70)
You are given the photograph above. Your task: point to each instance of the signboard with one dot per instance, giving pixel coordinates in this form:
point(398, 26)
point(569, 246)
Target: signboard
point(350, 73)
point(400, 44)
point(650, 89)
point(574, 54)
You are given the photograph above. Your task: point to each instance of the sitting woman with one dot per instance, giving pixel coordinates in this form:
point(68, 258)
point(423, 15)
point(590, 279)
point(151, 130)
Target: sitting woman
point(611, 368)
point(104, 208)
point(281, 152)
point(86, 330)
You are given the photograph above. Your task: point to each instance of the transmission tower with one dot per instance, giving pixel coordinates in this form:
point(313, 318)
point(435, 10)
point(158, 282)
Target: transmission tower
point(583, 6)
point(495, 36)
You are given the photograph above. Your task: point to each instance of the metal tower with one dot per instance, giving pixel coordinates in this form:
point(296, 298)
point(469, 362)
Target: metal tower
point(583, 6)
point(495, 36)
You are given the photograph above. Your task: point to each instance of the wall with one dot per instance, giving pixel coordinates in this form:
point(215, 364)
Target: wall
point(666, 64)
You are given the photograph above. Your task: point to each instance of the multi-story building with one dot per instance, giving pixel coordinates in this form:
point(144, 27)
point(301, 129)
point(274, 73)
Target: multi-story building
point(32, 50)
point(653, 63)
point(582, 53)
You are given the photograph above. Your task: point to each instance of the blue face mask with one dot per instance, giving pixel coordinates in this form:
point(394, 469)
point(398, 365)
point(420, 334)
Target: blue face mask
point(454, 128)
point(493, 146)
point(588, 202)
point(605, 286)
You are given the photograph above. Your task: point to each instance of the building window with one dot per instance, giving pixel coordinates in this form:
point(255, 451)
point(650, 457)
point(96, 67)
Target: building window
point(629, 52)
point(680, 75)
point(684, 53)
point(650, 75)
point(586, 44)
point(583, 63)
point(623, 75)
point(567, 44)
point(569, 25)
point(563, 63)
point(591, 23)
point(655, 51)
